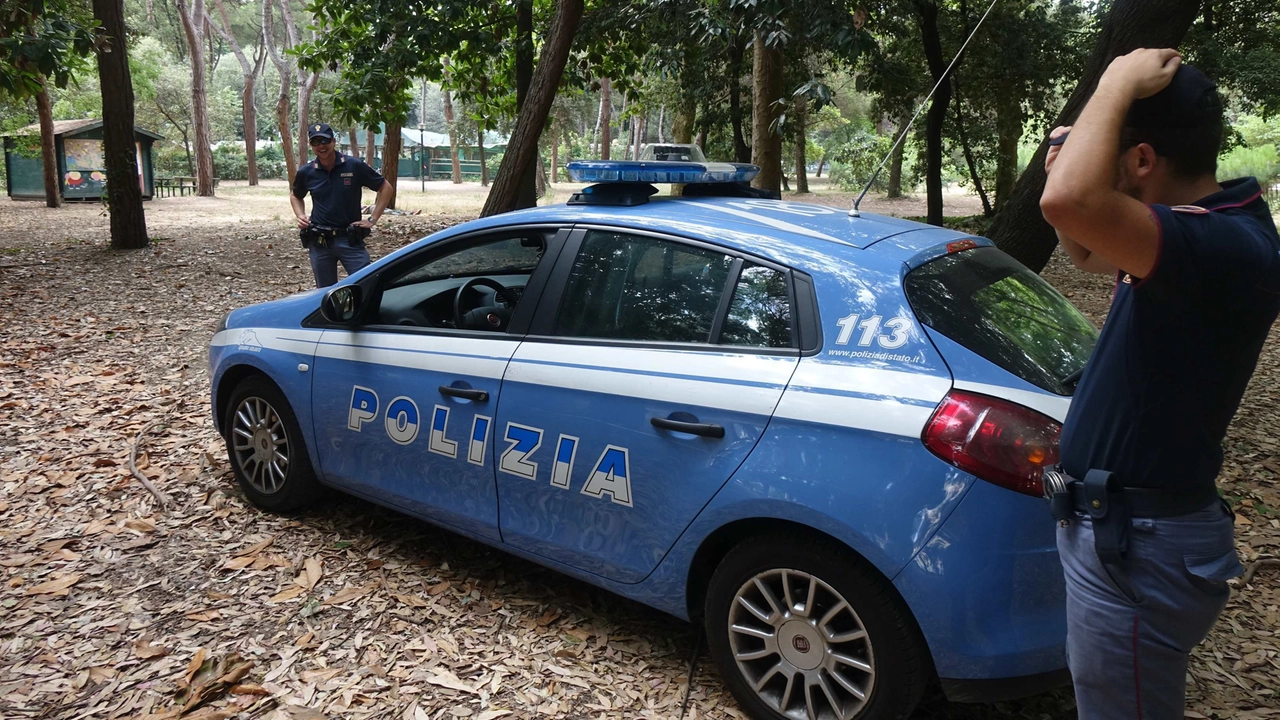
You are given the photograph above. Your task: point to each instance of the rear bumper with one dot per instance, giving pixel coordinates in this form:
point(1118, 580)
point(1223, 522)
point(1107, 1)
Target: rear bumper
point(1001, 689)
point(988, 592)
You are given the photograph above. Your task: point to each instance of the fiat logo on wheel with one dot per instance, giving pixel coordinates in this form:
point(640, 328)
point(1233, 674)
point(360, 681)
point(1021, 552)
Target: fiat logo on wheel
point(800, 643)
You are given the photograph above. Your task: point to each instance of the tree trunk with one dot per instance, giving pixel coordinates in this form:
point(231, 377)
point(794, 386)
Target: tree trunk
point(555, 154)
point(802, 137)
point(895, 161)
point(686, 116)
point(741, 151)
point(124, 196)
point(968, 151)
point(354, 150)
point(391, 144)
point(1020, 229)
point(193, 18)
point(528, 194)
point(642, 124)
point(766, 143)
point(533, 116)
point(291, 161)
point(306, 84)
point(662, 111)
point(822, 163)
point(453, 130)
point(48, 148)
point(248, 108)
point(1009, 135)
point(937, 111)
point(484, 167)
point(370, 147)
point(606, 118)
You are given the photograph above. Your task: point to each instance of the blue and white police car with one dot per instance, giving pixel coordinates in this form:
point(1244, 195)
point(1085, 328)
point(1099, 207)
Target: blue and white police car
point(818, 434)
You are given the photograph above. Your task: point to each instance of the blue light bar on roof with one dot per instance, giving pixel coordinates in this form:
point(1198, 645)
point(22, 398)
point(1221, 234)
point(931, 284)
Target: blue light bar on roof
point(623, 171)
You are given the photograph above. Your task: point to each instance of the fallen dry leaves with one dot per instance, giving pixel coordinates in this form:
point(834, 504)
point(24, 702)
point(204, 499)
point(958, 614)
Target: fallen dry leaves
point(113, 607)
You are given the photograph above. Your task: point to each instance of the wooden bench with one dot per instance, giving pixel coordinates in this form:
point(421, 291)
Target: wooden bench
point(179, 185)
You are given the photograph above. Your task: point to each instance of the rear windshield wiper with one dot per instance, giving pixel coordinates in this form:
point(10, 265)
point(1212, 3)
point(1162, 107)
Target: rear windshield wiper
point(1071, 380)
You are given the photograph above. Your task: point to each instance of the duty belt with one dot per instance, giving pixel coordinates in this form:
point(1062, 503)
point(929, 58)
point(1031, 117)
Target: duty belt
point(1111, 506)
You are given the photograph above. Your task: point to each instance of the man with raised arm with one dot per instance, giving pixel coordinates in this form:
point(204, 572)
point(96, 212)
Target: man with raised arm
point(1150, 545)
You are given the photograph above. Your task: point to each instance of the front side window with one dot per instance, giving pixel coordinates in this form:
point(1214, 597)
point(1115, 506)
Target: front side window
point(475, 287)
point(760, 314)
point(628, 287)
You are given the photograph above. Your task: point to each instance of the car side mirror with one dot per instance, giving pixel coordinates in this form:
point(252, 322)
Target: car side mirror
point(342, 304)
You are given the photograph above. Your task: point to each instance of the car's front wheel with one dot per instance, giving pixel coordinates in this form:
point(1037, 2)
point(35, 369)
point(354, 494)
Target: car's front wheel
point(266, 449)
point(803, 629)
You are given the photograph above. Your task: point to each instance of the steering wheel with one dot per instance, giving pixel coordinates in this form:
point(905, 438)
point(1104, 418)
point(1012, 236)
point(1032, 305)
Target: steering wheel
point(492, 317)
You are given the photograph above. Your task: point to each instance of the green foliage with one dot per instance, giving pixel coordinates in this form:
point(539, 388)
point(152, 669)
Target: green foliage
point(42, 39)
point(1262, 162)
point(853, 162)
point(1237, 43)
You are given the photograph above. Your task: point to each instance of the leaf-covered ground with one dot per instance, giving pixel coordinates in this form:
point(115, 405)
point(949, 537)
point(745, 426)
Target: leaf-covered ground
point(113, 606)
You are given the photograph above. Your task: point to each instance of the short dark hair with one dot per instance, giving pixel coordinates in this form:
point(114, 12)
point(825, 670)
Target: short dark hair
point(1182, 123)
point(1191, 152)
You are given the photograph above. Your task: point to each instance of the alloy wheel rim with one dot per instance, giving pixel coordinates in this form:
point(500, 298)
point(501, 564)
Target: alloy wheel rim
point(800, 646)
point(260, 445)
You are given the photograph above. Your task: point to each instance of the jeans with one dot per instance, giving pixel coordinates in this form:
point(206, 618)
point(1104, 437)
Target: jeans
point(324, 260)
point(1129, 660)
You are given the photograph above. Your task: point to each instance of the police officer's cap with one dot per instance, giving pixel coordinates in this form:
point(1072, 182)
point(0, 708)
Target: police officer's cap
point(319, 130)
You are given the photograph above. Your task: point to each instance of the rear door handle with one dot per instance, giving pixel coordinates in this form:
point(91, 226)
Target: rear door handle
point(693, 428)
point(465, 393)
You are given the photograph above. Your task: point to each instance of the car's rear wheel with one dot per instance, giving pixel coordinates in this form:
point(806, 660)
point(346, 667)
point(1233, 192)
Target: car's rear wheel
point(266, 449)
point(802, 629)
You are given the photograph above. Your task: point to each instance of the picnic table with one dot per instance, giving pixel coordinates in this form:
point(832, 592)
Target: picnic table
point(178, 184)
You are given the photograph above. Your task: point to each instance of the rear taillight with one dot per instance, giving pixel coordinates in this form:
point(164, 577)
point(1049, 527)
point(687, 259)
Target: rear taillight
point(997, 440)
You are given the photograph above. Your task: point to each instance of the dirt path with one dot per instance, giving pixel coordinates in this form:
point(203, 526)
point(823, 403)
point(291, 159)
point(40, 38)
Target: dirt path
point(114, 607)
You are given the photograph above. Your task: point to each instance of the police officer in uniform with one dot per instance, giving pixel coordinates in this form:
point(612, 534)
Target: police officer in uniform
point(1147, 546)
point(335, 230)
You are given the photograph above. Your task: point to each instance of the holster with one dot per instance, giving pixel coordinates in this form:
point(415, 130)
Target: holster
point(318, 235)
point(356, 234)
point(1109, 510)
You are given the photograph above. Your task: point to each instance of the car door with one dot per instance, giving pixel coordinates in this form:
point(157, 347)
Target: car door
point(404, 400)
point(637, 396)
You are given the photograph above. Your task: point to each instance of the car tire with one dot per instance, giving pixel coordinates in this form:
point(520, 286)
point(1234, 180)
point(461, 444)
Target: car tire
point(266, 448)
point(782, 664)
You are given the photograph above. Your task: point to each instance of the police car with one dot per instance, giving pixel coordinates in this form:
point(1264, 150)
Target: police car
point(819, 434)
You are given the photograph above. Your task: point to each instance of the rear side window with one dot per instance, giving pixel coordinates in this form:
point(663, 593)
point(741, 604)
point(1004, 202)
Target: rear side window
point(989, 303)
point(760, 314)
point(629, 287)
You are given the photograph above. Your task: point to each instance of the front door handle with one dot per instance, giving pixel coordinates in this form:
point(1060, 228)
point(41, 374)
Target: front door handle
point(465, 393)
point(710, 430)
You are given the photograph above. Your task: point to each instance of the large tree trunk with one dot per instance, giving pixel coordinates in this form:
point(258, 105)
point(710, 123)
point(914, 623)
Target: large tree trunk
point(802, 137)
point(391, 144)
point(370, 148)
point(937, 111)
point(291, 161)
point(306, 84)
point(193, 19)
point(1009, 135)
point(606, 118)
point(124, 196)
point(355, 146)
point(48, 148)
point(766, 143)
point(895, 161)
point(528, 194)
point(533, 116)
point(741, 151)
point(1020, 229)
point(686, 116)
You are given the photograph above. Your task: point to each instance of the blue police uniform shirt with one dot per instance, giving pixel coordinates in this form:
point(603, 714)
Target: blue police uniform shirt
point(335, 194)
point(1179, 346)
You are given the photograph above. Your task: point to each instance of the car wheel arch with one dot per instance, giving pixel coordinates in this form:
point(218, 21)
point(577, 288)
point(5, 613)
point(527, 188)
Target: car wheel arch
point(227, 384)
point(720, 541)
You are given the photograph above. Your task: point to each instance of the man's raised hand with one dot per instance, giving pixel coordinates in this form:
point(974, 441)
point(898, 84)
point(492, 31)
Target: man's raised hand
point(1143, 72)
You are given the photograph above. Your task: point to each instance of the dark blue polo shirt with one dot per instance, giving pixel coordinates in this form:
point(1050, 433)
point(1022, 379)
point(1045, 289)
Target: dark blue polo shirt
point(335, 194)
point(1179, 346)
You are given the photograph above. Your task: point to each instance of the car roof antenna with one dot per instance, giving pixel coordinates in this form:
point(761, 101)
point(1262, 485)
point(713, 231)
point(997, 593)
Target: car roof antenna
point(853, 212)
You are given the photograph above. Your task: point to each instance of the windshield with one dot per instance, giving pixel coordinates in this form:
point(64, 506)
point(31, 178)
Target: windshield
point(672, 152)
point(989, 303)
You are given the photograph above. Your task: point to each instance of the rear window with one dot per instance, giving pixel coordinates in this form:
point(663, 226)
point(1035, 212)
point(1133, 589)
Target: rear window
point(992, 305)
